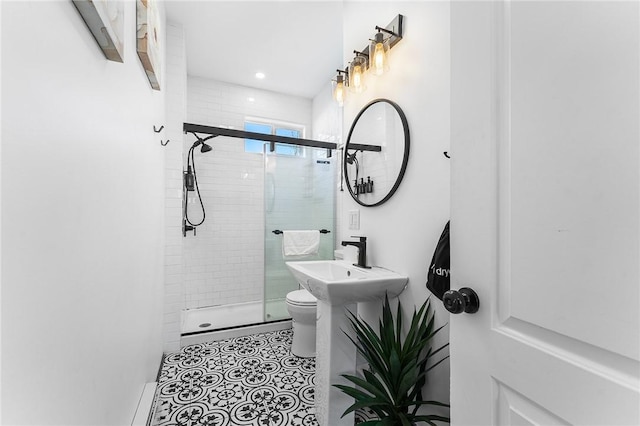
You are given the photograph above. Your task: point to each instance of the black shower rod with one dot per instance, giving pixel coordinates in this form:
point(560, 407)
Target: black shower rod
point(243, 134)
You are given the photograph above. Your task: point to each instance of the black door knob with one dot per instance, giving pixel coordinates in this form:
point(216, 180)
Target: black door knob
point(463, 300)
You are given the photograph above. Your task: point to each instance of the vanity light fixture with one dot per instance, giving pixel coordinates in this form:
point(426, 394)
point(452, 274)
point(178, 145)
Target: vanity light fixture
point(373, 56)
point(339, 89)
point(357, 68)
point(379, 47)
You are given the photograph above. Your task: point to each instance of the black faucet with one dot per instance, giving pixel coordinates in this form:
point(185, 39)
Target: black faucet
point(362, 251)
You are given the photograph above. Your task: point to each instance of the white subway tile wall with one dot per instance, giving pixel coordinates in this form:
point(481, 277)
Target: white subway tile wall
point(224, 263)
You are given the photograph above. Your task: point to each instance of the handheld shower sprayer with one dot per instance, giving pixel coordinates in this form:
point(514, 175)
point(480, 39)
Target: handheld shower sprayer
point(191, 184)
point(189, 179)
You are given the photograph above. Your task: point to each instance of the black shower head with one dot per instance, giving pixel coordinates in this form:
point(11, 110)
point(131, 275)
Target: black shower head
point(204, 148)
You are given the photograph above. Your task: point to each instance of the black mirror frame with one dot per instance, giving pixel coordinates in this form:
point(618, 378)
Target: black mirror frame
point(405, 159)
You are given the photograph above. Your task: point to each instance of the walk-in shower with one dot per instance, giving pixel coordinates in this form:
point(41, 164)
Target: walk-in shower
point(234, 272)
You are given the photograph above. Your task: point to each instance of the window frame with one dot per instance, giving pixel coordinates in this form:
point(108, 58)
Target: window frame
point(276, 125)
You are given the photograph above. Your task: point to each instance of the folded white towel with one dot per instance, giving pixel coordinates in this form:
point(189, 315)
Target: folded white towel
point(300, 243)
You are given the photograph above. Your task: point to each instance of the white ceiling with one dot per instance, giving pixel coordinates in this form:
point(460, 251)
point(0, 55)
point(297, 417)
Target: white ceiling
point(296, 44)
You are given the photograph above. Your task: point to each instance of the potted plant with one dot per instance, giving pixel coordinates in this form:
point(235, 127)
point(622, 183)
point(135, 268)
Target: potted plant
point(392, 383)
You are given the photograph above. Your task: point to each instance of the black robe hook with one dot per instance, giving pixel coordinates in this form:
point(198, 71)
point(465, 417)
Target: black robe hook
point(163, 143)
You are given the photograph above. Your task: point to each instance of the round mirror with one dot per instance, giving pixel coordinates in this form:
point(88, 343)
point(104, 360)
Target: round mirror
point(376, 154)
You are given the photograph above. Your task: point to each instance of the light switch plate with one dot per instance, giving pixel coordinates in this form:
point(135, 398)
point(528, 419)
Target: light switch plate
point(354, 219)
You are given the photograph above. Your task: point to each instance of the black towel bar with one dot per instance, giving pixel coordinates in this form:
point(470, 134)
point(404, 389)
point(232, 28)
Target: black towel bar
point(322, 231)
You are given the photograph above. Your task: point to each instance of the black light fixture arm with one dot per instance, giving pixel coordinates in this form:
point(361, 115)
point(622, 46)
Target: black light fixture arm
point(345, 80)
point(395, 29)
point(384, 30)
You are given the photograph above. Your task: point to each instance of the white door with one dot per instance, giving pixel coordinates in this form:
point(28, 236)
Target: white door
point(545, 222)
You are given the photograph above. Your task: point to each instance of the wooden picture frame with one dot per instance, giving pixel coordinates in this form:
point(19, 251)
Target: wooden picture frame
point(148, 40)
point(105, 20)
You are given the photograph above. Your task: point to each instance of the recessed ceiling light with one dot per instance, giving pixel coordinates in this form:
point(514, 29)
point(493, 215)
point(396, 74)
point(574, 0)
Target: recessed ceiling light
point(260, 75)
point(251, 99)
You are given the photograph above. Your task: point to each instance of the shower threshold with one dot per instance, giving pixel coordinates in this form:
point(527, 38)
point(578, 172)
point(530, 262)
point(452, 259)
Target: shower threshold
point(225, 321)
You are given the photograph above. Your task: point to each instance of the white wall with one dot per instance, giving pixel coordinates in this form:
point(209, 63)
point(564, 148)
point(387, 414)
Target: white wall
point(82, 221)
point(327, 117)
point(403, 232)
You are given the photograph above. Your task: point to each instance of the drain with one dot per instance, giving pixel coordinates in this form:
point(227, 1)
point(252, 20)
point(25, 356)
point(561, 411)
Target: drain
point(205, 325)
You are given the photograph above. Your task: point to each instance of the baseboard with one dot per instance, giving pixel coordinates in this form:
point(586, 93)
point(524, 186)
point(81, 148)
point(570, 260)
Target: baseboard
point(146, 406)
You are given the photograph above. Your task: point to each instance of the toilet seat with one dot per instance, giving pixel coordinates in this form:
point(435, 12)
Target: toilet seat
point(301, 298)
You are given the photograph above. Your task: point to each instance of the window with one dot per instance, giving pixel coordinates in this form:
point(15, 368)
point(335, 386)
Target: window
point(252, 145)
point(292, 131)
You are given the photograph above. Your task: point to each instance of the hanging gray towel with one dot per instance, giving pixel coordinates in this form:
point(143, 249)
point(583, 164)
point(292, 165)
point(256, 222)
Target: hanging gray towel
point(438, 276)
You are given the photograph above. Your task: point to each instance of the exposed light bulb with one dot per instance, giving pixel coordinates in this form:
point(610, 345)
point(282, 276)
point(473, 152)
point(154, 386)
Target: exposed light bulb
point(338, 92)
point(357, 78)
point(379, 59)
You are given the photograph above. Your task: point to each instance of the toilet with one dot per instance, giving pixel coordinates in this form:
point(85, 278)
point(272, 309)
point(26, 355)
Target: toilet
point(302, 307)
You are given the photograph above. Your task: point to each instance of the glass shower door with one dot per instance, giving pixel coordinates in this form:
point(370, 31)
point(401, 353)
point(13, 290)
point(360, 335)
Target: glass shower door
point(299, 195)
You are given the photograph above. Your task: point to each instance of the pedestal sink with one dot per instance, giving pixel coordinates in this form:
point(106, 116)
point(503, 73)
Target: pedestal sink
point(338, 285)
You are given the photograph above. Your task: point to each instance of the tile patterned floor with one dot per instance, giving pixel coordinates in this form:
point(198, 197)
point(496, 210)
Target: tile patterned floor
point(249, 380)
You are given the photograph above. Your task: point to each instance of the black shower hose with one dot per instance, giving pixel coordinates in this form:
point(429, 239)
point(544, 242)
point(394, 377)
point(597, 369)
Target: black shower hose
point(190, 161)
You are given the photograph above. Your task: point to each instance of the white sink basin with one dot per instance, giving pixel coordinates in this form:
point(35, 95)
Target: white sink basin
point(339, 282)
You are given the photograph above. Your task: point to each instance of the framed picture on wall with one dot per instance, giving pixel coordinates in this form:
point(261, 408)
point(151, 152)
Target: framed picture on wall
point(148, 40)
point(105, 20)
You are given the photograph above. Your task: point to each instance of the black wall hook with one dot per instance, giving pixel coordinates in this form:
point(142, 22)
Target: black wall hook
point(446, 154)
point(163, 143)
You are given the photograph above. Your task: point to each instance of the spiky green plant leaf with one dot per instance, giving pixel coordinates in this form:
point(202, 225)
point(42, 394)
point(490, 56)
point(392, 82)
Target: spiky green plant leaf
point(397, 366)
